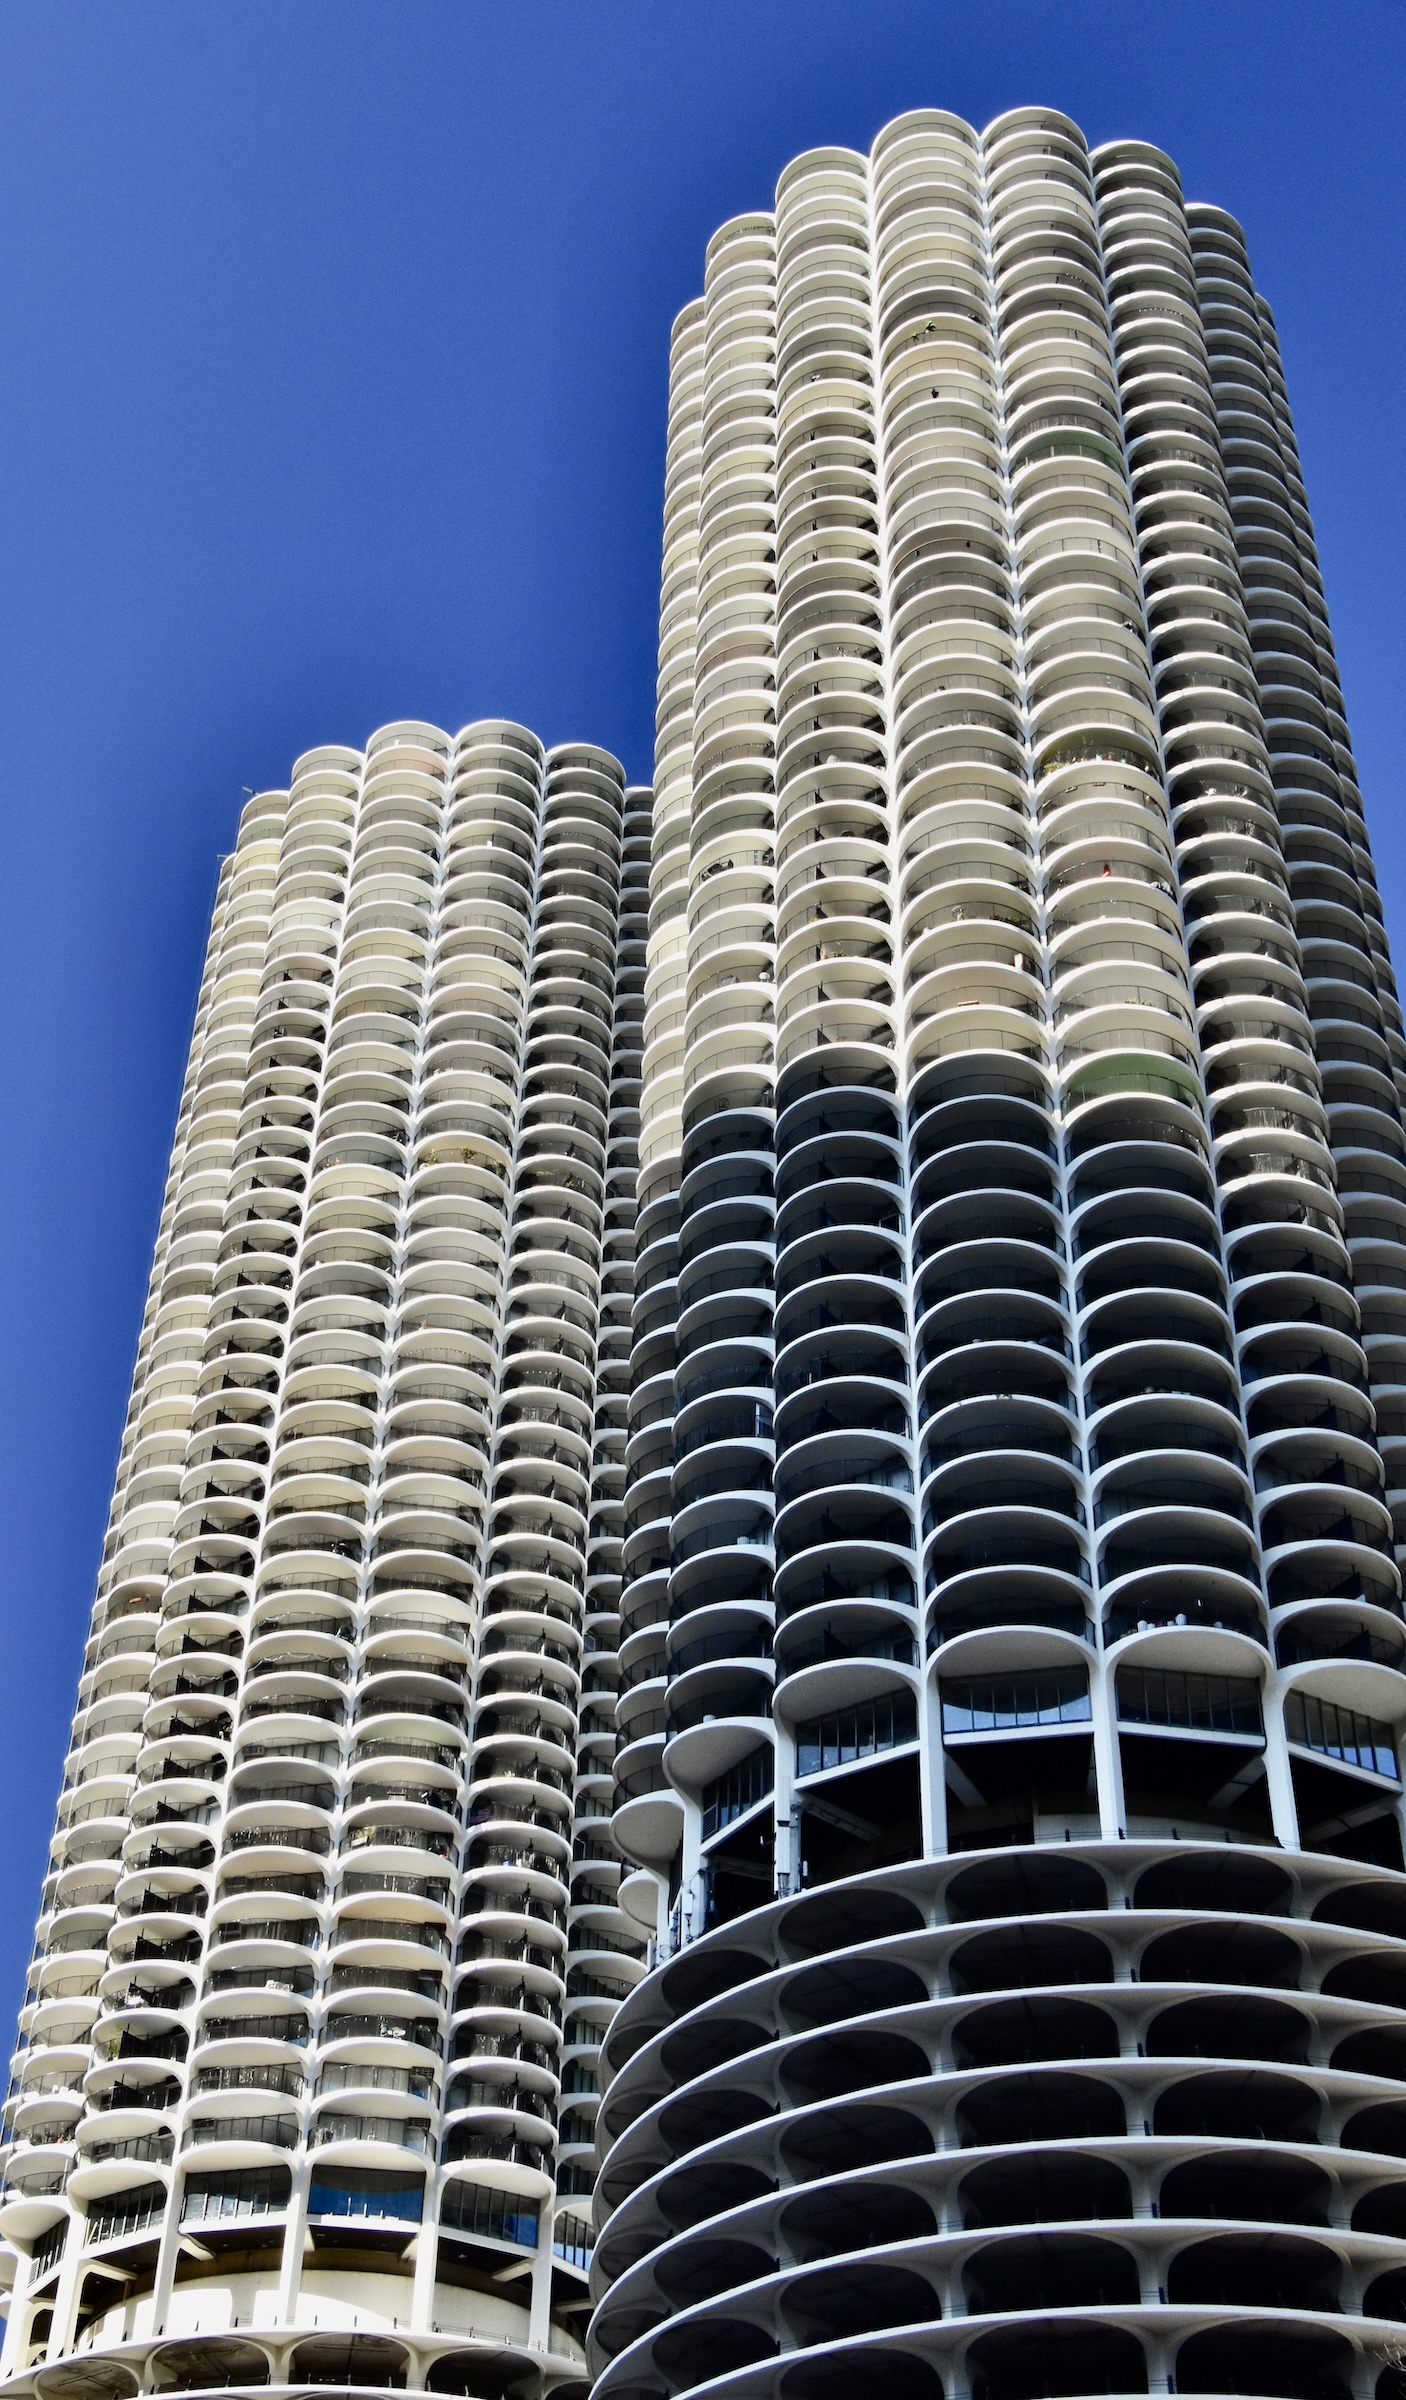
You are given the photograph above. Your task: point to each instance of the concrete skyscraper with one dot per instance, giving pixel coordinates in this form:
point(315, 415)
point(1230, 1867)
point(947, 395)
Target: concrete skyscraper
point(1012, 1642)
point(329, 1934)
point(891, 1253)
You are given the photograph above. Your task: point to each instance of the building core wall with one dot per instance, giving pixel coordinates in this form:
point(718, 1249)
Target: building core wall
point(1015, 1440)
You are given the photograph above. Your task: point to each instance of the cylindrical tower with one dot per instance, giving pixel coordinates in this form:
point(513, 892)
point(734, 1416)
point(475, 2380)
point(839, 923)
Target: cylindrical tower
point(1012, 1626)
point(331, 1930)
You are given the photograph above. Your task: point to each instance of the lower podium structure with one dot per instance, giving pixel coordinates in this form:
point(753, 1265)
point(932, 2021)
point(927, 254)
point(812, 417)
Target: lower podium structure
point(1082, 2118)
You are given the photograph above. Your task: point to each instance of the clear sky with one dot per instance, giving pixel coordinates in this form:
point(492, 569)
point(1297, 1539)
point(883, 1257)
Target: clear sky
point(333, 348)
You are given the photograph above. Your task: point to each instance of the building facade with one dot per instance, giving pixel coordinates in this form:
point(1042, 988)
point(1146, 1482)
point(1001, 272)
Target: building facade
point(1011, 1633)
point(330, 1931)
point(890, 1258)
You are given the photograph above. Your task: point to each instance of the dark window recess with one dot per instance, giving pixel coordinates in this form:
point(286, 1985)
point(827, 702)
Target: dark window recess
point(49, 2248)
point(741, 1869)
point(1003, 1703)
point(573, 2240)
point(1192, 1703)
point(119, 2212)
point(856, 1733)
point(239, 2192)
point(369, 2192)
point(729, 1796)
point(501, 2216)
point(1341, 1733)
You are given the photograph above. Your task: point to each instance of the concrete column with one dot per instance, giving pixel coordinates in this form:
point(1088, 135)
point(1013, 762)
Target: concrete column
point(426, 2261)
point(659, 1949)
point(932, 1771)
point(21, 2313)
point(787, 1845)
point(539, 2331)
point(1283, 1811)
point(16, 2325)
point(291, 2271)
point(1161, 2351)
point(168, 2255)
point(693, 1890)
point(1108, 1763)
point(66, 2297)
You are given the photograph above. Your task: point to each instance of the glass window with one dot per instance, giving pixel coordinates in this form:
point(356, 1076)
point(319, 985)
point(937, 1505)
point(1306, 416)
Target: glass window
point(1341, 1733)
point(1002, 1703)
point(1192, 1703)
point(857, 1733)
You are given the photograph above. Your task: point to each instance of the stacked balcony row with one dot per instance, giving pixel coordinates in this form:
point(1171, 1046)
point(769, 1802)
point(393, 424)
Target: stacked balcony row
point(338, 1889)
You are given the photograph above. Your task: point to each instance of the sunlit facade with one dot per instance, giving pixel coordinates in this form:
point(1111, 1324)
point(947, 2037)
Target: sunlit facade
point(1011, 1634)
point(305, 2085)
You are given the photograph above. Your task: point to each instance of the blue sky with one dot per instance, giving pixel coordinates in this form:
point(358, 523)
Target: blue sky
point(333, 345)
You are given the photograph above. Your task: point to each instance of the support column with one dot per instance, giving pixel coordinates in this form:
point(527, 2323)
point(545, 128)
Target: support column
point(787, 1849)
point(167, 2256)
point(1108, 1763)
point(693, 1887)
point(20, 2316)
point(426, 2262)
point(66, 2297)
point(295, 2233)
point(539, 2330)
point(1283, 1810)
point(932, 1770)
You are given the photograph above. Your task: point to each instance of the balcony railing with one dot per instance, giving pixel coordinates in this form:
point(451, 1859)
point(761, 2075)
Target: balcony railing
point(415, 2138)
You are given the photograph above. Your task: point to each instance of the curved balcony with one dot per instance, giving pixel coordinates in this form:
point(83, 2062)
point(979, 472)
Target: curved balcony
point(680, 2161)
